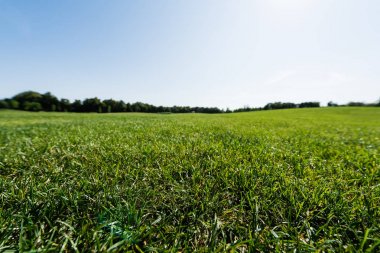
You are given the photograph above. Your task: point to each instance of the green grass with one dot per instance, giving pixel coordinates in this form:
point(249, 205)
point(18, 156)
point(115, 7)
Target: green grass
point(305, 179)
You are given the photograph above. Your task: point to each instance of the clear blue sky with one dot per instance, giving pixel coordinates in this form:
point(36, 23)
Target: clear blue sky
point(225, 53)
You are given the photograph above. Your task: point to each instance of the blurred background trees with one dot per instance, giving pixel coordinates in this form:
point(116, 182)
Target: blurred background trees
point(34, 101)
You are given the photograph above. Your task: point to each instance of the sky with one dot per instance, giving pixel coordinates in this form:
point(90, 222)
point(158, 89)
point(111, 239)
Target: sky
point(224, 53)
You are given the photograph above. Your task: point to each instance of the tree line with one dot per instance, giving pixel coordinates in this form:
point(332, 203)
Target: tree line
point(34, 101)
point(288, 105)
point(280, 105)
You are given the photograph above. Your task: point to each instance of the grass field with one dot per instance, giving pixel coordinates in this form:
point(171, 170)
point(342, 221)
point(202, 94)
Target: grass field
point(305, 179)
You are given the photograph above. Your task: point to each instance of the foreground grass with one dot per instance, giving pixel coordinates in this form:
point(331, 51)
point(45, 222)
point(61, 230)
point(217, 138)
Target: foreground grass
point(306, 179)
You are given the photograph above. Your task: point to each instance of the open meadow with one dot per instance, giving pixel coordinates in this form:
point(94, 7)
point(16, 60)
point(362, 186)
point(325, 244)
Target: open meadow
point(305, 179)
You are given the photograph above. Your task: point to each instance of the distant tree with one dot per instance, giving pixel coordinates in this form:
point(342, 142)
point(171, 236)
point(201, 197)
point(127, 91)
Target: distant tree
point(268, 106)
point(120, 106)
point(138, 107)
point(76, 106)
point(309, 104)
point(246, 108)
point(279, 105)
point(110, 105)
point(143, 107)
point(128, 107)
point(332, 104)
point(34, 101)
point(186, 109)
point(4, 104)
point(64, 105)
point(107, 105)
point(356, 104)
point(175, 109)
point(28, 96)
point(49, 102)
point(12, 104)
point(92, 105)
point(32, 106)
point(206, 110)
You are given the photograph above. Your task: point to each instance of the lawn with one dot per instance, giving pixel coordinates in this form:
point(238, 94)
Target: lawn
point(305, 179)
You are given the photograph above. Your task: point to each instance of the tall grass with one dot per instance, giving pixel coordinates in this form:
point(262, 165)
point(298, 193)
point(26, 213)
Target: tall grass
point(306, 179)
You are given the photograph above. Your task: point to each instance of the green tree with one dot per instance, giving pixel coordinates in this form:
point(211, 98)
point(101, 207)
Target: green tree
point(49, 102)
point(13, 104)
point(92, 105)
point(32, 106)
point(28, 96)
point(4, 104)
point(65, 105)
point(76, 106)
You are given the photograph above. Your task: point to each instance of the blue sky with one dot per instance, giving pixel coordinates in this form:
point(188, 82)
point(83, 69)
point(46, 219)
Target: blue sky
point(199, 53)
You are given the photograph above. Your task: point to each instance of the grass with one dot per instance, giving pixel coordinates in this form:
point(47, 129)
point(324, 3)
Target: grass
point(304, 179)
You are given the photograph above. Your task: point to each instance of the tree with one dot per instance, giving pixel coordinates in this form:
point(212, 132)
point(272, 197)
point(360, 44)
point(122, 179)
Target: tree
point(32, 106)
point(120, 106)
point(356, 104)
point(111, 105)
point(49, 102)
point(30, 96)
point(34, 101)
point(332, 104)
point(309, 104)
point(92, 105)
point(4, 104)
point(64, 105)
point(76, 106)
point(135, 107)
point(12, 104)
point(279, 105)
point(128, 107)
